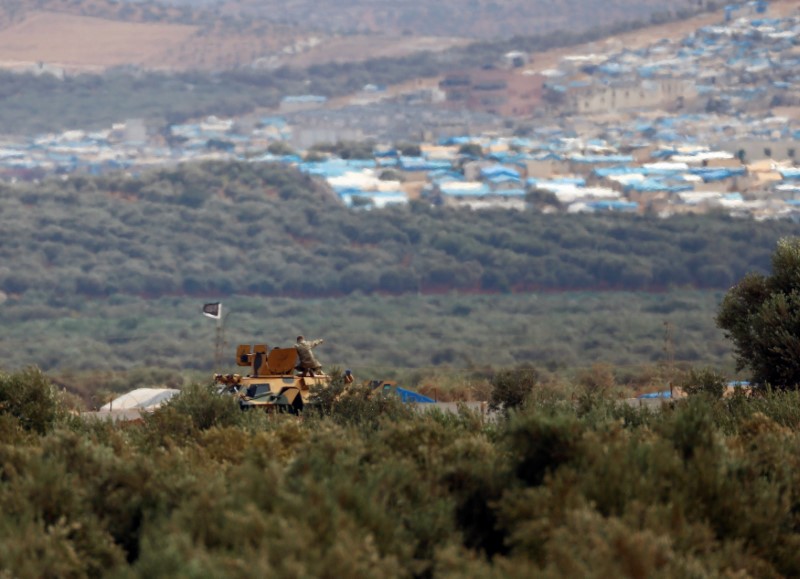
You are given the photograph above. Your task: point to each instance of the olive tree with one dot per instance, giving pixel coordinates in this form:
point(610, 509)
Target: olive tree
point(761, 315)
point(30, 397)
point(511, 388)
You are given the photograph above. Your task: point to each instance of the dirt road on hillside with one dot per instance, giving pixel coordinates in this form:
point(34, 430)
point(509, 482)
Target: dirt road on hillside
point(631, 40)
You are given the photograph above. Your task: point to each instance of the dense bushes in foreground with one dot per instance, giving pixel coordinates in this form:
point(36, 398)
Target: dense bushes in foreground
point(701, 488)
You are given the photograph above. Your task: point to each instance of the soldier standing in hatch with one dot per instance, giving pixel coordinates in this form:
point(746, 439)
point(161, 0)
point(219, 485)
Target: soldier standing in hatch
point(307, 362)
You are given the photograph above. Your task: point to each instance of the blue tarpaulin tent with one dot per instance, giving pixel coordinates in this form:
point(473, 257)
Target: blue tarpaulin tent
point(661, 394)
point(405, 395)
point(411, 396)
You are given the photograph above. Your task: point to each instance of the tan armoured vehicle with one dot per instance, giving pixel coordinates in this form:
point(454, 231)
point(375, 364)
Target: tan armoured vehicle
point(273, 382)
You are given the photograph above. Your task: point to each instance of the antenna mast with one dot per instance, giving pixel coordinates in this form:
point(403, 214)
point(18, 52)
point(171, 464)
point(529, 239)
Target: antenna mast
point(669, 354)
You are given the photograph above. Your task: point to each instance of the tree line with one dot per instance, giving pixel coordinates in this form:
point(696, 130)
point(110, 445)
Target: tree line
point(264, 229)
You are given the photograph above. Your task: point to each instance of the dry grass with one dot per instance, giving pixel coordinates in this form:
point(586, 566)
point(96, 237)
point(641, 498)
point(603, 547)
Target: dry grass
point(359, 48)
point(82, 42)
point(90, 44)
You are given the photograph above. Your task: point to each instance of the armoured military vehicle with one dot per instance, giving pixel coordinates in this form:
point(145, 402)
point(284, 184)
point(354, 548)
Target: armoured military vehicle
point(273, 382)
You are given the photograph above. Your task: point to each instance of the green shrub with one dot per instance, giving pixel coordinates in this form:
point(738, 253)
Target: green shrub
point(322, 398)
point(511, 388)
point(705, 381)
point(205, 406)
point(30, 397)
point(356, 404)
point(542, 441)
point(368, 487)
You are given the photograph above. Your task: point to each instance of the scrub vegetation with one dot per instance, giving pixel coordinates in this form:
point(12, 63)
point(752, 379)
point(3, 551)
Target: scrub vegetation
point(368, 488)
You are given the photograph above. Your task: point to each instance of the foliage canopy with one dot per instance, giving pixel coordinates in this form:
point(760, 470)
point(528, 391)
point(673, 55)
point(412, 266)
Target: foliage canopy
point(705, 487)
point(259, 229)
point(761, 315)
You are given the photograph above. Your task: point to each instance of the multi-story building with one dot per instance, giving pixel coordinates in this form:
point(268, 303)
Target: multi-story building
point(495, 91)
point(662, 92)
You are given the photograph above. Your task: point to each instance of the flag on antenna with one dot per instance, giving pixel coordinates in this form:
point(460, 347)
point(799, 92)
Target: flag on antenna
point(213, 310)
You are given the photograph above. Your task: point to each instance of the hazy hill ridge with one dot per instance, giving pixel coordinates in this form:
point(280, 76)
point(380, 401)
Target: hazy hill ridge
point(484, 19)
point(87, 35)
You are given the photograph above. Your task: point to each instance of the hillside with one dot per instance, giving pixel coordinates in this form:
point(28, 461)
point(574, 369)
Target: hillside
point(113, 43)
point(78, 36)
point(108, 272)
point(257, 228)
point(38, 103)
point(476, 19)
point(94, 36)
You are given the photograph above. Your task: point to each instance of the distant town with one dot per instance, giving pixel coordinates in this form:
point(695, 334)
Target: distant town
point(706, 122)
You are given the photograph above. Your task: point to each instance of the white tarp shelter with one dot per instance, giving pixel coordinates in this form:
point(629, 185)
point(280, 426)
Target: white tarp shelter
point(140, 399)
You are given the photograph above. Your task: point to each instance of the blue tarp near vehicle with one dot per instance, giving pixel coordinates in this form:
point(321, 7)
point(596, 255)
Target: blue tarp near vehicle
point(668, 394)
point(661, 394)
point(411, 396)
point(405, 395)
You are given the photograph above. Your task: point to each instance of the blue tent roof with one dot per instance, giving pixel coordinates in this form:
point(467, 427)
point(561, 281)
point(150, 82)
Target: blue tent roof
point(656, 185)
point(618, 170)
point(443, 175)
point(623, 206)
point(459, 192)
point(602, 158)
point(499, 170)
point(721, 174)
point(502, 178)
point(423, 164)
point(577, 181)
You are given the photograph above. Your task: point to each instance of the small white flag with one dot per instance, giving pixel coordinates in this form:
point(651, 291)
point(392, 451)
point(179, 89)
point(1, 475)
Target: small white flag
point(213, 310)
